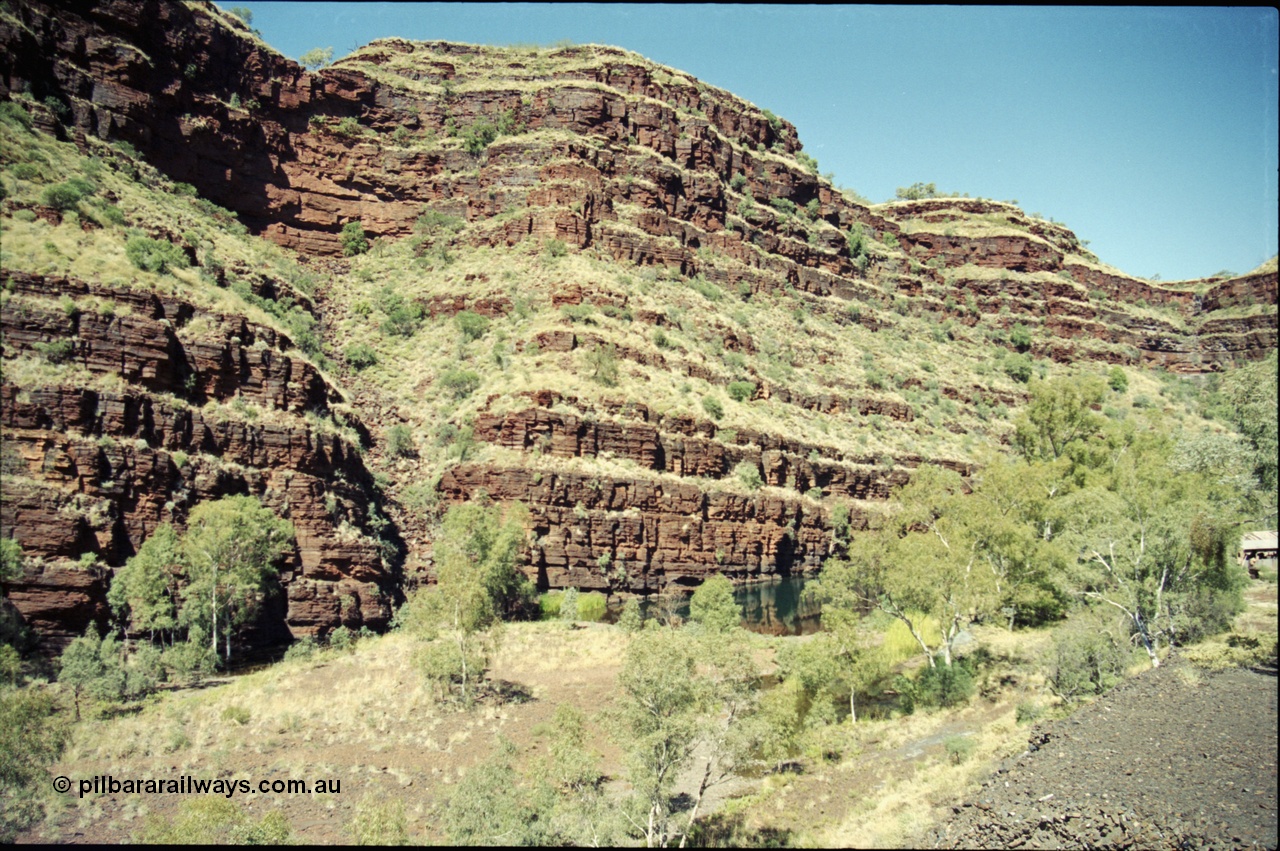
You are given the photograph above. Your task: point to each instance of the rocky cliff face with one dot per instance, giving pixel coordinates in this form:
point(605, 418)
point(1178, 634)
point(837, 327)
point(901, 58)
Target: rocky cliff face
point(90, 473)
point(486, 158)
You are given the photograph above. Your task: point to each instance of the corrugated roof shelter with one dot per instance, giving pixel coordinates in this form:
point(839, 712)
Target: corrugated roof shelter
point(1256, 547)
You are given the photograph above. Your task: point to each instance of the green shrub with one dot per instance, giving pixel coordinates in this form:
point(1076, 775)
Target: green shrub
point(400, 442)
point(632, 618)
point(360, 356)
point(57, 351)
point(959, 748)
point(460, 382)
point(749, 474)
point(31, 740)
point(479, 136)
point(13, 114)
point(603, 362)
point(569, 605)
point(66, 195)
point(713, 406)
point(1020, 337)
point(945, 685)
point(783, 205)
point(1118, 380)
point(555, 247)
point(471, 324)
point(303, 648)
point(741, 391)
point(154, 255)
point(353, 239)
point(1018, 367)
point(738, 182)
point(1087, 658)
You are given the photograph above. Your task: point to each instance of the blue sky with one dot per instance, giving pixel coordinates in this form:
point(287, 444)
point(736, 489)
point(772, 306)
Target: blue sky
point(1151, 132)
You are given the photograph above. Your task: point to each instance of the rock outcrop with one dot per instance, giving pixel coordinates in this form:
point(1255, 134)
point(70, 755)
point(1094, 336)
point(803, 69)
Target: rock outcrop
point(90, 473)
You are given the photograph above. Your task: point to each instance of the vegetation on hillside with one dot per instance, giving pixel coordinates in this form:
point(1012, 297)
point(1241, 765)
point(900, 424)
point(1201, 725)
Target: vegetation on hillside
point(1098, 526)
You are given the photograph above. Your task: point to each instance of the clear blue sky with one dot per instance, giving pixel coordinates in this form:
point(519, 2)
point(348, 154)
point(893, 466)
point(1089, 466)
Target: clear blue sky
point(1151, 132)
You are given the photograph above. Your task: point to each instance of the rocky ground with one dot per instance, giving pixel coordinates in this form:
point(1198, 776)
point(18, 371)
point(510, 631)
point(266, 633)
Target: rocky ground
point(1174, 758)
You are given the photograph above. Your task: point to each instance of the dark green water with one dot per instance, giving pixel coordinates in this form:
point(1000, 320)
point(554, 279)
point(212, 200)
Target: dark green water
point(773, 607)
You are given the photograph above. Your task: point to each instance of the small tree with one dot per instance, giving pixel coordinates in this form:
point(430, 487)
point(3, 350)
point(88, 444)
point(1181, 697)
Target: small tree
point(477, 583)
point(316, 57)
point(471, 324)
point(32, 736)
point(713, 606)
point(353, 239)
point(603, 362)
point(917, 191)
point(230, 550)
point(144, 593)
point(741, 391)
point(91, 666)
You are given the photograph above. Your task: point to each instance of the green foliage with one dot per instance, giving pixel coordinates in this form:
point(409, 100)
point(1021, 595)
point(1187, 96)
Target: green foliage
point(360, 356)
point(472, 325)
point(144, 593)
point(230, 549)
point(631, 620)
point(713, 606)
point(840, 523)
point(67, 195)
point(400, 443)
point(243, 13)
point(353, 239)
point(316, 57)
point(856, 241)
point(569, 605)
point(713, 406)
point(917, 191)
point(477, 585)
point(479, 136)
point(1118, 379)
point(1020, 337)
point(94, 667)
point(403, 318)
point(490, 806)
point(154, 255)
point(661, 701)
point(1251, 396)
point(460, 382)
point(1088, 657)
point(1059, 415)
point(959, 748)
point(10, 560)
point(944, 686)
point(56, 351)
point(741, 391)
point(213, 820)
point(555, 248)
point(738, 182)
point(1018, 367)
point(748, 473)
point(32, 737)
point(784, 206)
point(380, 821)
point(12, 114)
point(602, 360)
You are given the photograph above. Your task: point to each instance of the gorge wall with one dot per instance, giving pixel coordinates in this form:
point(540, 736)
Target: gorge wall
point(592, 148)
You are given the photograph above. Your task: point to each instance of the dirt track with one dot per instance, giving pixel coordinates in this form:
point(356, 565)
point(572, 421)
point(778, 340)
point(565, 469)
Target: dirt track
point(1174, 758)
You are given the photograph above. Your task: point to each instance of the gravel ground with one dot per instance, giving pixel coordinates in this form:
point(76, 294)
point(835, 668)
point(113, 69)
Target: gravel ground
point(1174, 758)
